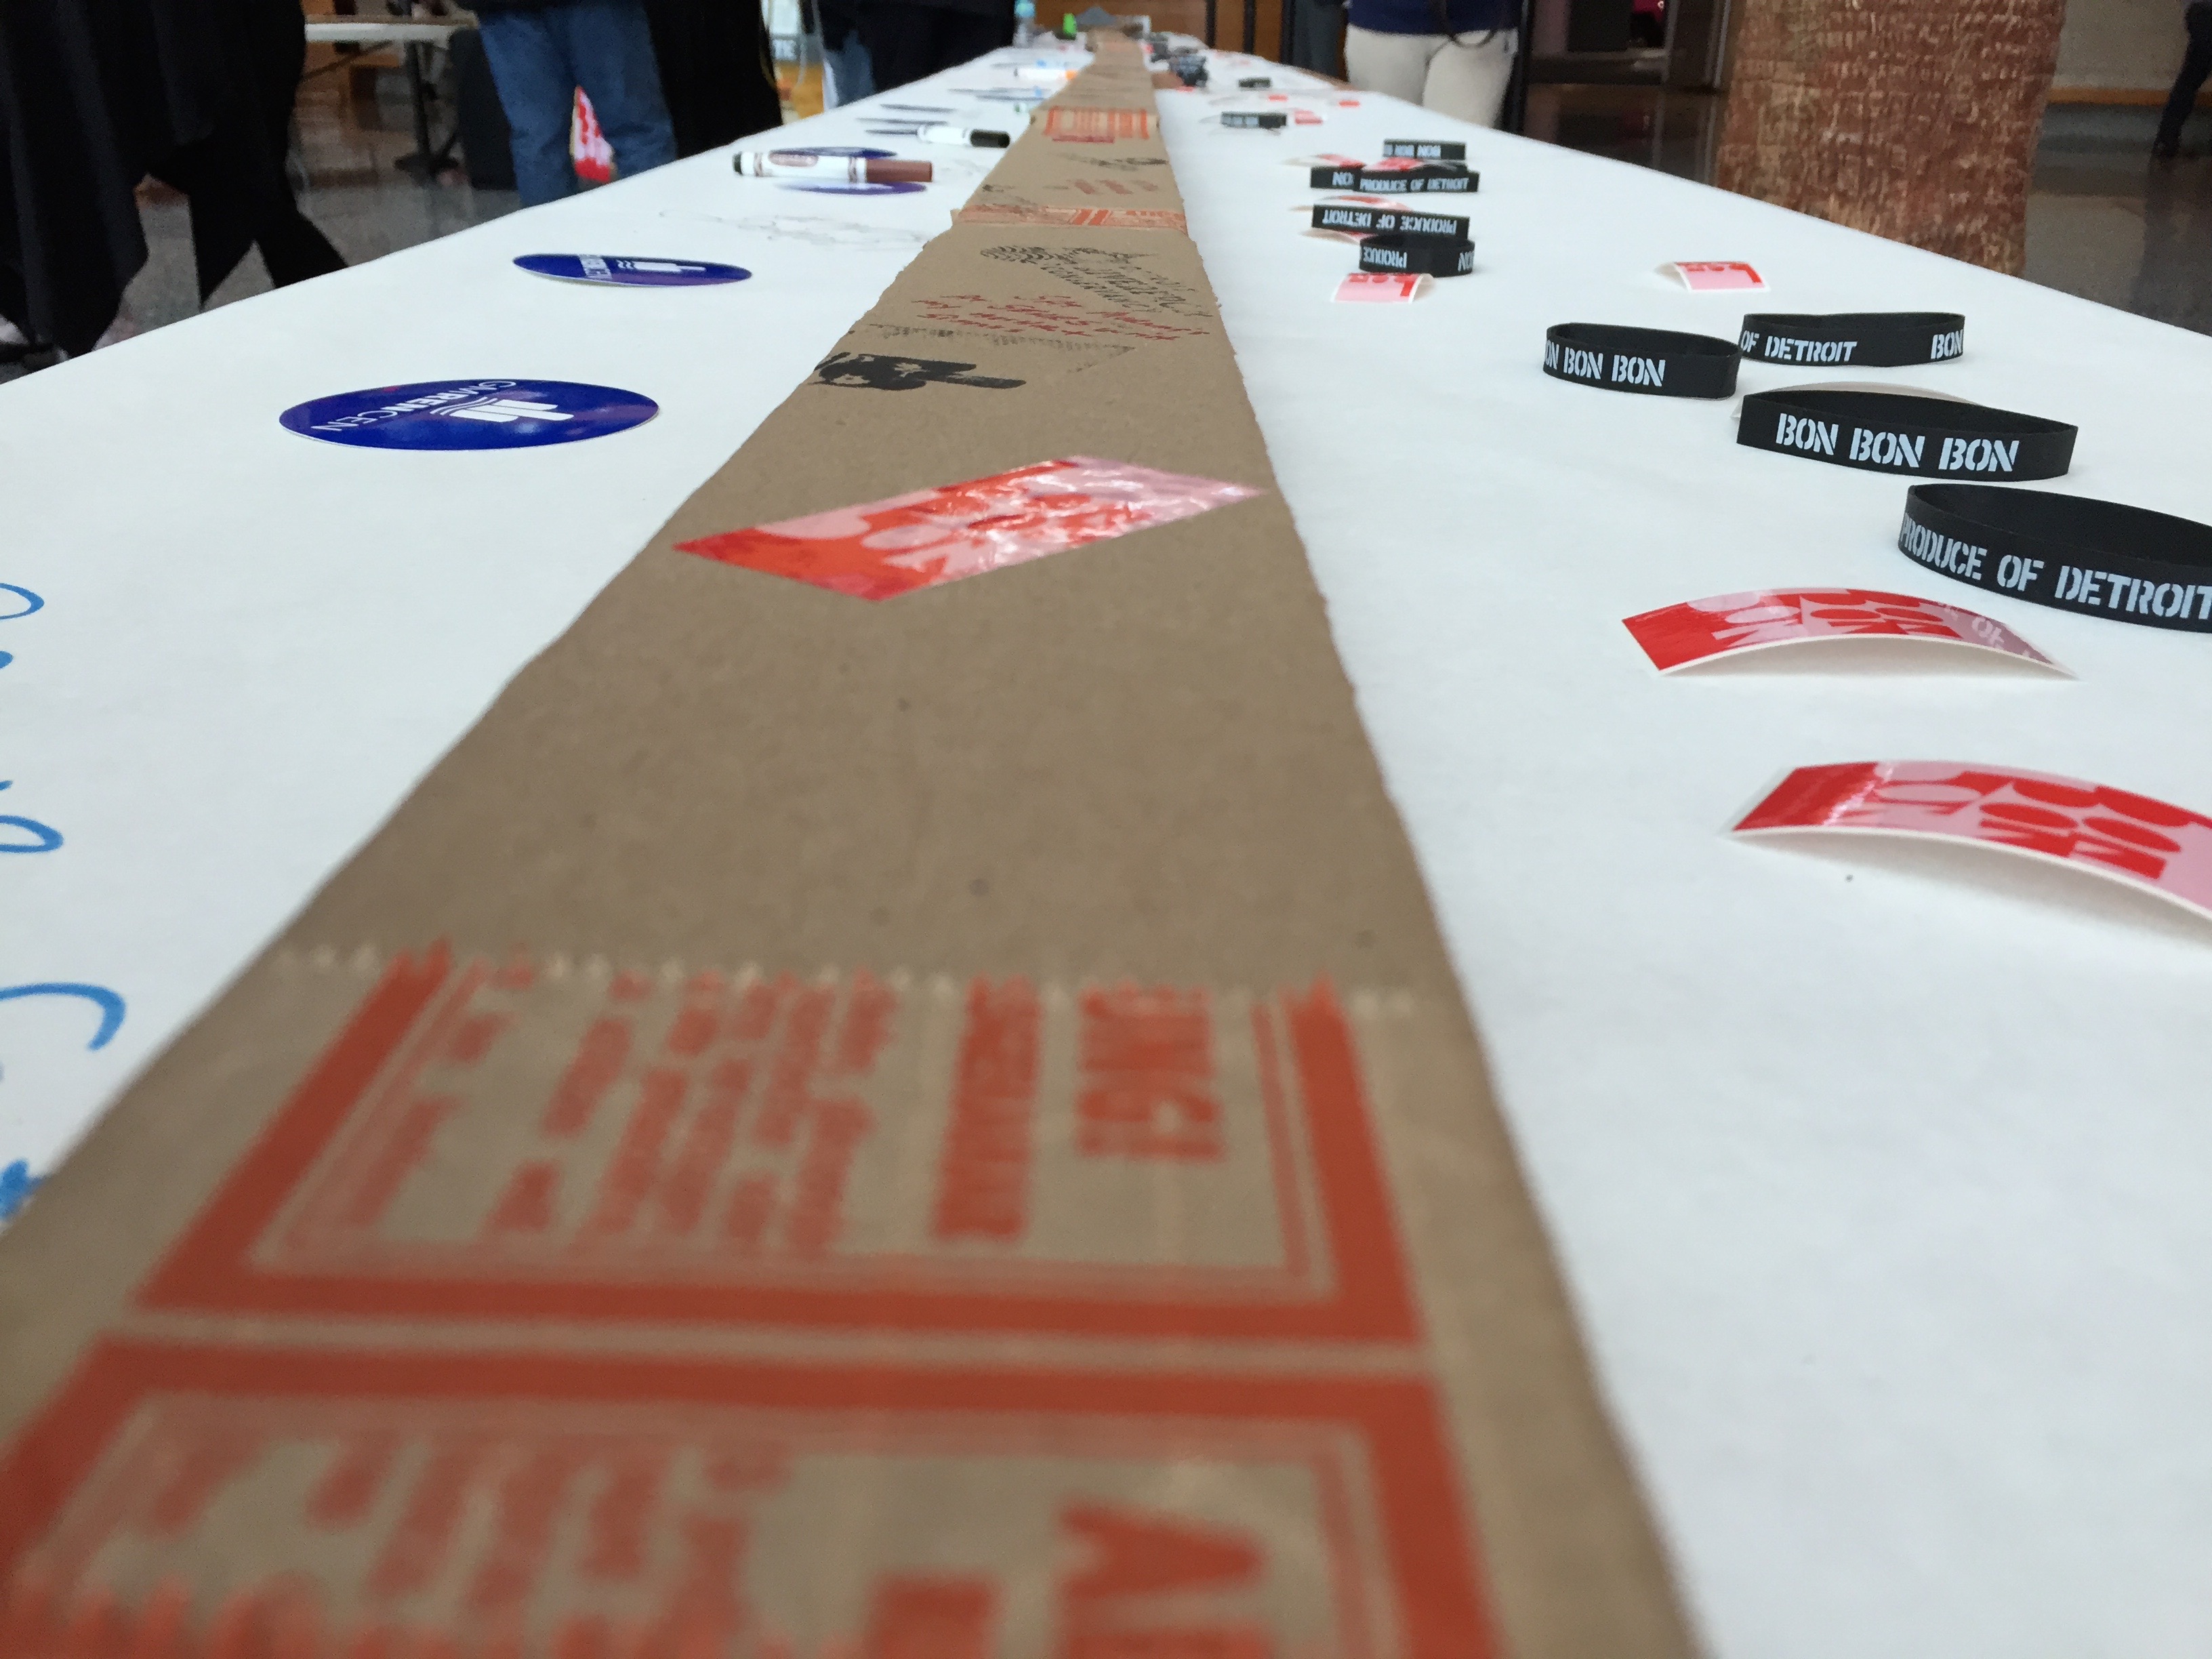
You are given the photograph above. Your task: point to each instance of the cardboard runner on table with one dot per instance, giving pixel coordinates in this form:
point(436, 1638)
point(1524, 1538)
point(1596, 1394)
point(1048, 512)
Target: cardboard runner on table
point(857, 1113)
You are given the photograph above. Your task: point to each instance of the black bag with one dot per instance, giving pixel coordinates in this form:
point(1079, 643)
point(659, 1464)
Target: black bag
point(484, 146)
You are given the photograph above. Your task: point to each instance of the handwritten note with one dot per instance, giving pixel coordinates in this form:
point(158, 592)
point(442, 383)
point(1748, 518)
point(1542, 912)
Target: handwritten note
point(22, 833)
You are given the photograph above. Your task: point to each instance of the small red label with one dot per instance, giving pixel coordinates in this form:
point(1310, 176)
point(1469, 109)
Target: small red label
point(1104, 218)
point(1097, 125)
point(1717, 276)
point(1381, 288)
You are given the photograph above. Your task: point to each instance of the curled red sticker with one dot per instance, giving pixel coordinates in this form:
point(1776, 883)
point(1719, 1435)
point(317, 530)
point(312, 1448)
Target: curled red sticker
point(1372, 287)
point(880, 550)
point(1699, 630)
point(1713, 276)
point(2108, 832)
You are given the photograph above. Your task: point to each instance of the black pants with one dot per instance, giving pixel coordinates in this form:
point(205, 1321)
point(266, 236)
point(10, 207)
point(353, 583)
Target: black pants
point(2195, 68)
point(908, 41)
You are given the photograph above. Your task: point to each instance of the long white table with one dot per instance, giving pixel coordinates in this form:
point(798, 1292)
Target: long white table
point(1880, 1180)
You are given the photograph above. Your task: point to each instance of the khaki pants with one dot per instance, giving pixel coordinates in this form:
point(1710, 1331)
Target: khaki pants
point(1466, 79)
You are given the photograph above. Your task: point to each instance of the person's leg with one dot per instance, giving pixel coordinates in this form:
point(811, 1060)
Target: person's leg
point(611, 48)
point(292, 248)
point(538, 90)
point(1396, 65)
point(898, 36)
point(1468, 79)
point(962, 36)
point(2195, 68)
point(856, 76)
point(1316, 24)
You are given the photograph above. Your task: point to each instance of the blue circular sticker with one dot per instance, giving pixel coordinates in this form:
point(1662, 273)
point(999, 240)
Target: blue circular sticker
point(621, 271)
point(842, 189)
point(471, 415)
point(837, 149)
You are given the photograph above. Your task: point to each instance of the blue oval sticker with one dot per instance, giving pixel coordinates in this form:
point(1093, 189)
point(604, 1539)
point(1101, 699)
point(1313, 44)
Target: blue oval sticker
point(620, 270)
point(904, 187)
point(471, 415)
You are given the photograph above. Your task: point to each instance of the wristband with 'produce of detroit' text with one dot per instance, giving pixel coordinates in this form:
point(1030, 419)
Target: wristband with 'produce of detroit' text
point(1402, 252)
point(2069, 552)
point(1363, 220)
point(1656, 361)
point(1898, 432)
point(1854, 339)
point(1449, 178)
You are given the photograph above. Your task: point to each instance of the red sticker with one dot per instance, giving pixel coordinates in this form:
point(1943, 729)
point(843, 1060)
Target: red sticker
point(1727, 623)
point(276, 1503)
point(881, 550)
point(1097, 126)
point(2107, 832)
point(1098, 218)
point(1715, 276)
point(1373, 287)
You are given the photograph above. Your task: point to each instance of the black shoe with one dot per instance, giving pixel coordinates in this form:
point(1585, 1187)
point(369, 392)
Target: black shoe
point(2164, 149)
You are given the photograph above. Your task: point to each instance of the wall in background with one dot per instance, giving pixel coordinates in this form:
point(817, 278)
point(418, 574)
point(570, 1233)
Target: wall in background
point(2120, 46)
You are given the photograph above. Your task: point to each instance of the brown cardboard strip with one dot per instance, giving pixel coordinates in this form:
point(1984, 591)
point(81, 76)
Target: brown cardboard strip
point(933, 1128)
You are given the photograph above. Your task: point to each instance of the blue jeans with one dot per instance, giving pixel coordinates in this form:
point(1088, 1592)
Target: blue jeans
point(847, 73)
point(540, 55)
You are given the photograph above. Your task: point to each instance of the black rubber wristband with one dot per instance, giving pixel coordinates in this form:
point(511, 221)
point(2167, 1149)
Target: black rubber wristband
point(1367, 221)
point(1445, 178)
point(1896, 432)
point(1401, 253)
point(1854, 339)
point(2099, 558)
point(1271, 119)
point(1424, 149)
point(1656, 361)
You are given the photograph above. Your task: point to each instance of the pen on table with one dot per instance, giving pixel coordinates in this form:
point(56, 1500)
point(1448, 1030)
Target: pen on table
point(852, 169)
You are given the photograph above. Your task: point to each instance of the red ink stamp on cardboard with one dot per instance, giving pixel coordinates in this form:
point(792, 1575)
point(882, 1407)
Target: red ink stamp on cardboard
point(521, 1140)
point(206, 1503)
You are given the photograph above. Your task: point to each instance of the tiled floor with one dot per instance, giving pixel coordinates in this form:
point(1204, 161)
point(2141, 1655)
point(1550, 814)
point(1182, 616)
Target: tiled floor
point(2104, 221)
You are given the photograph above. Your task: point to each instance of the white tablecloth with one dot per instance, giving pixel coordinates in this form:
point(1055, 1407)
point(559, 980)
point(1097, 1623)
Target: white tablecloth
point(1882, 1180)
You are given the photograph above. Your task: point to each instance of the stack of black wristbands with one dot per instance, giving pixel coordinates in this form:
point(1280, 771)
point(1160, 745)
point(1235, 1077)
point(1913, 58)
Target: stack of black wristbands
point(2069, 552)
point(1404, 242)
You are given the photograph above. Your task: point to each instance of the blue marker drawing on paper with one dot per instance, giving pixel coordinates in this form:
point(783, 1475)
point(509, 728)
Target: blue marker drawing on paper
point(30, 602)
point(43, 839)
point(109, 1003)
point(17, 1183)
